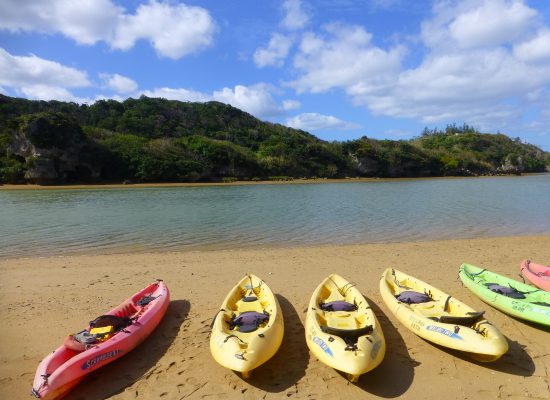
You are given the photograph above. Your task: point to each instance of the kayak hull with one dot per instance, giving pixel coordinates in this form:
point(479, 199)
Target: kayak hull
point(537, 274)
point(475, 279)
point(476, 338)
point(332, 349)
point(64, 368)
point(244, 351)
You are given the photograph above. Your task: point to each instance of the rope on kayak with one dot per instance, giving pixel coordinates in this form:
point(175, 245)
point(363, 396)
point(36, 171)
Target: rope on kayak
point(214, 319)
point(234, 336)
point(519, 291)
point(397, 282)
point(344, 289)
point(470, 275)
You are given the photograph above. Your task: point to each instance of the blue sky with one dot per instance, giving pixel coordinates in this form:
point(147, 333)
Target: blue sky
point(339, 69)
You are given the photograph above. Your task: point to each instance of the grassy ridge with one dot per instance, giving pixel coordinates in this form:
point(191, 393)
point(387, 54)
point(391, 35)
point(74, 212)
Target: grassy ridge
point(163, 140)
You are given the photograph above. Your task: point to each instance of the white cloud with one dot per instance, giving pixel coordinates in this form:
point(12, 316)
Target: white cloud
point(45, 92)
point(535, 49)
point(86, 21)
point(177, 94)
point(491, 23)
point(38, 78)
point(343, 57)
point(291, 105)
point(119, 83)
point(473, 24)
point(296, 17)
point(174, 30)
point(257, 99)
point(315, 122)
point(275, 53)
point(486, 74)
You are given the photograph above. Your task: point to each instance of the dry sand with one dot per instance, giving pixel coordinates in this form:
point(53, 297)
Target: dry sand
point(44, 299)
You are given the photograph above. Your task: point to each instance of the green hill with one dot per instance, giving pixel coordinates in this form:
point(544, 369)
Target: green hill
point(162, 140)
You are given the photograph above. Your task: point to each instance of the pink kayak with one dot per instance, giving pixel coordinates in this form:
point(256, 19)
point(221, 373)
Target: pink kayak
point(106, 339)
point(537, 274)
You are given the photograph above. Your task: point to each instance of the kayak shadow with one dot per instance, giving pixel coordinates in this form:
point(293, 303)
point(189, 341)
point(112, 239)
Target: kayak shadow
point(289, 364)
point(515, 362)
point(397, 363)
point(115, 377)
point(534, 325)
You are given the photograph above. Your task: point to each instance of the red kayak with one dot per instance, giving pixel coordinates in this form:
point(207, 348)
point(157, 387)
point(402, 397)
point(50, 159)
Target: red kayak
point(537, 274)
point(106, 339)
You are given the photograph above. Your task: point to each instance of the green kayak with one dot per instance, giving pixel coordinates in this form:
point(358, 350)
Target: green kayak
point(508, 295)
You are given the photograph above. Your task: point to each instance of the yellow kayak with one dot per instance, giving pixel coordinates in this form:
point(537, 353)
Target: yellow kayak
point(341, 329)
point(248, 329)
point(439, 318)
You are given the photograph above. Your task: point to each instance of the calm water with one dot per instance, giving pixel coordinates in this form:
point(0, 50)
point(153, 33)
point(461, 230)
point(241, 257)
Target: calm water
point(50, 222)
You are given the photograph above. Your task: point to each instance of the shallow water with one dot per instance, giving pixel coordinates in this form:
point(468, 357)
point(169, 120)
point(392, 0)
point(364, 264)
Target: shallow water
point(53, 222)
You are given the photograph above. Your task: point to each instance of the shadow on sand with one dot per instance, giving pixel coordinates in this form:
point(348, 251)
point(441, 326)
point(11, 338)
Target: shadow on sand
point(115, 377)
point(395, 374)
point(515, 362)
point(289, 364)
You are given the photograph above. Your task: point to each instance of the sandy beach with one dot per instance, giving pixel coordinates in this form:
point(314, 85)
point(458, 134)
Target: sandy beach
point(44, 299)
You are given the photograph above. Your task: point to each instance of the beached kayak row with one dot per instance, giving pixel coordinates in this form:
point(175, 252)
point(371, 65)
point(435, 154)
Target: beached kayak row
point(341, 329)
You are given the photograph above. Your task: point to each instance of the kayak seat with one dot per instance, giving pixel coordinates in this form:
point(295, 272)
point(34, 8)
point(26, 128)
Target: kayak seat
point(505, 290)
point(248, 321)
point(338, 305)
point(467, 320)
point(412, 297)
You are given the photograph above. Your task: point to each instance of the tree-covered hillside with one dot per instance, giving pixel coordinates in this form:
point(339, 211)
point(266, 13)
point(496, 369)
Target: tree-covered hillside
point(163, 140)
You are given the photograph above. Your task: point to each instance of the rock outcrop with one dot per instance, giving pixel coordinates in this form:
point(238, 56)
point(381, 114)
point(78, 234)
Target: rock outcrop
point(51, 144)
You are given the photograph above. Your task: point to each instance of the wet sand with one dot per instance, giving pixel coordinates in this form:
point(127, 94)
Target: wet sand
point(296, 181)
point(44, 299)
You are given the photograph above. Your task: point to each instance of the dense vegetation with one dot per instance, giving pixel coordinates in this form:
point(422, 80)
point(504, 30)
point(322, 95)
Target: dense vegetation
point(161, 140)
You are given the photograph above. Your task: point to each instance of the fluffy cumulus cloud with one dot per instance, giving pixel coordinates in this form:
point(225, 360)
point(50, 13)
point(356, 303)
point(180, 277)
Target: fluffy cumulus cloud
point(174, 30)
point(473, 24)
point(484, 61)
point(257, 99)
point(275, 53)
point(118, 83)
point(38, 78)
point(295, 15)
point(86, 21)
point(535, 49)
point(344, 57)
point(315, 122)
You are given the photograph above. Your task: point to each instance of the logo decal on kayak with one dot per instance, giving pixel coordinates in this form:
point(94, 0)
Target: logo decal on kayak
point(321, 343)
point(100, 358)
point(375, 349)
point(443, 331)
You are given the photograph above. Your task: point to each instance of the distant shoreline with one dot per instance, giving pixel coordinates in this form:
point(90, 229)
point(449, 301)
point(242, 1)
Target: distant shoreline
point(239, 183)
